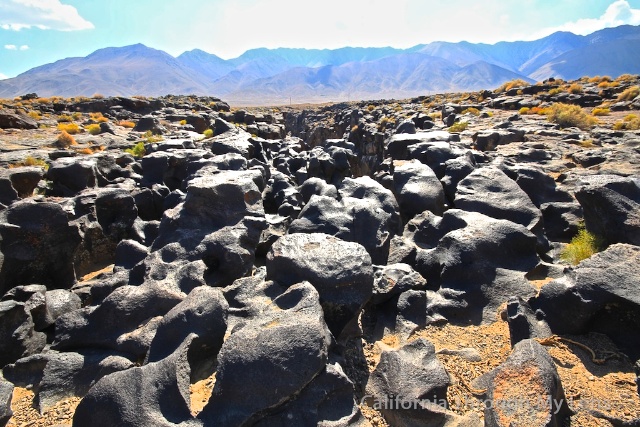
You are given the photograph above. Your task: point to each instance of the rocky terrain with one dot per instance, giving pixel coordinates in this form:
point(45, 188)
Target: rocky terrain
point(460, 259)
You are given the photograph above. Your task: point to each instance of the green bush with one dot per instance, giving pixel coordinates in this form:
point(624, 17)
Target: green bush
point(138, 150)
point(458, 127)
point(93, 129)
point(582, 246)
point(208, 133)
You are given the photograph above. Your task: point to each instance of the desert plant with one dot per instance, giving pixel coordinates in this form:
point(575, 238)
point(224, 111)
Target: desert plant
point(35, 115)
point(575, 89)
point(149, 137)
point(208, 133)
point(567, 115)
point(554, 91)
point(471, 110)
point(524, 110)
point(137, 150)
point(30, 161)
point(630, 122)
point(604, 85)
point(98, 96)
point(385, 122)
point(541, 111)
point(600, 111)
point(70, 128)
point(93, 129)
point(183, 122)
point(510, 85)
point(371, 107)
point(458, 127)
point(629, 94)
point(126, 124)
point(64, 118)
point(65, 139)
point(626, 78)
point(85, 150)
point(98, 117)
point(582, 246)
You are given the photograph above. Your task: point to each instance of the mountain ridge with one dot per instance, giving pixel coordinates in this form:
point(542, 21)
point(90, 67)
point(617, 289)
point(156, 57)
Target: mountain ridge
point(262, 76)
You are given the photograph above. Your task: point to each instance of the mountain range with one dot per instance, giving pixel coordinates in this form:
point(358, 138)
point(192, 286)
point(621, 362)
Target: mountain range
point(277, 76)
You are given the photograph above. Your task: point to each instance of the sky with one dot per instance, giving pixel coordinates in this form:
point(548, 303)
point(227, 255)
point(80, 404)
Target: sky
point(36, 32)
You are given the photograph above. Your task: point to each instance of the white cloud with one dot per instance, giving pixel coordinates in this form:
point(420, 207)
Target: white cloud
point(618, 13)
point(14, 47)
point(3, 76)
point(44, 14)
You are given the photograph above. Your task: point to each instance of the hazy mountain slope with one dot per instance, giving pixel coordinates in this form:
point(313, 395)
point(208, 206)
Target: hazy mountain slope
point(404, 75)
point(482, 75)
point(205, 63)
point(612, 59)
point(520, 57)
point(130, 70)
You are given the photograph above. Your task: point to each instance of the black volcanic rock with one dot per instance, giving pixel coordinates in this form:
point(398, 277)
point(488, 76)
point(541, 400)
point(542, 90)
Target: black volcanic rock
point(38, 244)
point(611, 206)
point(340, 271)
point(10, 120)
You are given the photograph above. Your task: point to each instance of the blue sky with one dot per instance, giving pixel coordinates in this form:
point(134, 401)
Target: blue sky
point(36, 32)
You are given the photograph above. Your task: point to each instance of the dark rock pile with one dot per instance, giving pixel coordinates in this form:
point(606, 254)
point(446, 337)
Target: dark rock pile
point(259, 254)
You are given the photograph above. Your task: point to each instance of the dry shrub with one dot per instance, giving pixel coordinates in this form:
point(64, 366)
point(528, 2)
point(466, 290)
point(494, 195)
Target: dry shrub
point(70, 128)
point(65, 140)
point(126, 124)
point(511, 84)
point(575, 89)
point(629, 94)
point(567, 115)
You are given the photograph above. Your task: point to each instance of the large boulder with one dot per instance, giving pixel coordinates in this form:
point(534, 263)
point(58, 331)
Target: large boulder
point(417, 189)
point(18, 183)
point(397, 147)
point(271, 357)
point(125, 321)
point(203, 313)
point(156, 394)
point(611, 206)
point(366, 213)
point(600, 294)
point(524, 390)
point(6, 394)
point(327, 400)
point(9, 120)
point(479, 263)
point(409, 387)
point(54, 376)
point(38, 245)
point(213, 234)
point(491, 192)
point(69, 175)
point(17, 335)
point(116, 212)
point(340, 271)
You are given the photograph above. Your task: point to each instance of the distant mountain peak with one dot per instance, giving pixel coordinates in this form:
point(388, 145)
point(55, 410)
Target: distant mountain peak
point(265, 75)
